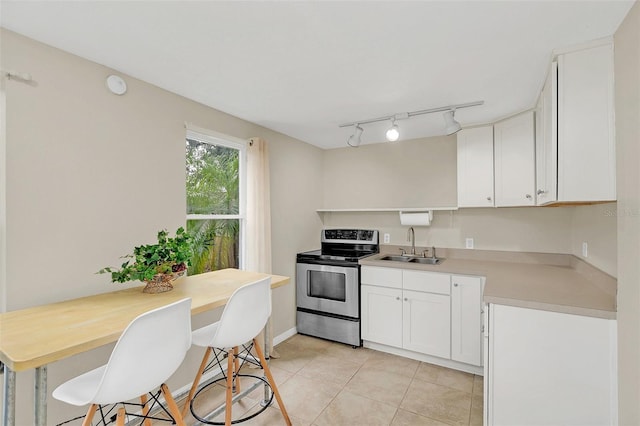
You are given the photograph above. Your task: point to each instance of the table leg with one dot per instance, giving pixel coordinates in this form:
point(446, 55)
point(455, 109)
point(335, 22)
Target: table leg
point(9, 397)
point(40, 396)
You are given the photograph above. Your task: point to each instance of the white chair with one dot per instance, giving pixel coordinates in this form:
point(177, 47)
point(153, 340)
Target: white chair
point(244, 316)
point(148, 352)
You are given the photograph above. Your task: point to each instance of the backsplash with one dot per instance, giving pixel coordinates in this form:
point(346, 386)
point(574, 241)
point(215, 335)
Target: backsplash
point(528, 229)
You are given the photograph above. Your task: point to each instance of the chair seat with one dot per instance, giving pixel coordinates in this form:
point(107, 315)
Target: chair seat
point(80, 390)
point(202, 336)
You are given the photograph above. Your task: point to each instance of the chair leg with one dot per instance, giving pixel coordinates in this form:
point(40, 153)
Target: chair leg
point(120, 417)
point(196, 381)
point(236, 369)
point(172, 406)
point(229, 403)
point(145, 409)
point(272, 382)
point(90, 414)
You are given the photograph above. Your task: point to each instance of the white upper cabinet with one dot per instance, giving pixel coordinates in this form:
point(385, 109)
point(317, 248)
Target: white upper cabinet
point(475, 167)
point(547, 141)
point(586, 144)
point(514, 159)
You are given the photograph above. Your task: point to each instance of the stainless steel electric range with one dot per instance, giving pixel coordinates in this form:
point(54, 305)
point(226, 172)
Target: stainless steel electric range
point(328, 285)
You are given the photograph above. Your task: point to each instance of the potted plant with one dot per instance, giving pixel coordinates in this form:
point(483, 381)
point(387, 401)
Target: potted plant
point(156, 264)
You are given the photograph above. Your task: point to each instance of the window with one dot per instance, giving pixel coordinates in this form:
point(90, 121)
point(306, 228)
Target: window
point(215, 186)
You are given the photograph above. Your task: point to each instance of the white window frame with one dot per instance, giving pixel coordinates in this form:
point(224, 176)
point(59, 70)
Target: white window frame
point(215, 138)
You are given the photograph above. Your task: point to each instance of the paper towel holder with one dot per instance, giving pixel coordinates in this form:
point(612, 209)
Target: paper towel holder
point(416, 218)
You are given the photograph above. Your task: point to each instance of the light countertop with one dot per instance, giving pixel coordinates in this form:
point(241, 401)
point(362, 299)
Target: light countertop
point(551, 282)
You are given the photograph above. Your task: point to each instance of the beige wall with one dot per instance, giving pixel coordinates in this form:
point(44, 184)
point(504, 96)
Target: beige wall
point(546, 230)
point(597, 226)
point(415, 173)
point(627, 95)
point(91, 174)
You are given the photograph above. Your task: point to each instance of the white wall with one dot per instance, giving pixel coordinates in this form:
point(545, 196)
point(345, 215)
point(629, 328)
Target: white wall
point(627, 95)
point(91, 174)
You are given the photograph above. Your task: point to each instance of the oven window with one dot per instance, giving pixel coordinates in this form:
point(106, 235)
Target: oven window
point(327, 285)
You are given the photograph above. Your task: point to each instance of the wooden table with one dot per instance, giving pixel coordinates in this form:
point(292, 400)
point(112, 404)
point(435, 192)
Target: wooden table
point(35, 337)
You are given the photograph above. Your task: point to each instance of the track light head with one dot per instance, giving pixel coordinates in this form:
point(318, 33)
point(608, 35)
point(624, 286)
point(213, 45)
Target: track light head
point(354, 139)
point(393, 133)
point(451, 125)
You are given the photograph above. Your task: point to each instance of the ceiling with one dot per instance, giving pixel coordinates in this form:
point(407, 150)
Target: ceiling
point(303, 68)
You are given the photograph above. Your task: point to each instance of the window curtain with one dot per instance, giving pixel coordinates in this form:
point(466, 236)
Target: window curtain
point(258, 226)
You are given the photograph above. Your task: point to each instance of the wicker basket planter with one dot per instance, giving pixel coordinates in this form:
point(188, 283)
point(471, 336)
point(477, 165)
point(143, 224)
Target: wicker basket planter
point(161, 283)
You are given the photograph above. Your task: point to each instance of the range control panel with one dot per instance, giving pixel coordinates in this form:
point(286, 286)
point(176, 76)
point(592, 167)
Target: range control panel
point(354, 235)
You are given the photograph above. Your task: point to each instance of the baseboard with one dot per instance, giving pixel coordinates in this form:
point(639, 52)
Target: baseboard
point(478, 370)
point(284, 336)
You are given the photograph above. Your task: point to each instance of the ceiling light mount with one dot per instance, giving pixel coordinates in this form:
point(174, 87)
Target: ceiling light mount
point(354, 139)
point(452, 126)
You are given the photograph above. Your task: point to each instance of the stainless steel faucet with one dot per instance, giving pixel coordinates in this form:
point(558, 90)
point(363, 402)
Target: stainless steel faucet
point(411, 236)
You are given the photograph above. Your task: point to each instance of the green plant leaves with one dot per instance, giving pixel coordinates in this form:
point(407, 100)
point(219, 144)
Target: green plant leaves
point(151, 259)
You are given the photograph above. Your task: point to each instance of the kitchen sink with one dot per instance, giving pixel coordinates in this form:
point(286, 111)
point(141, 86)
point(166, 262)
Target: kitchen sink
point(414, 259)
point(428, 260)
point(397, 258)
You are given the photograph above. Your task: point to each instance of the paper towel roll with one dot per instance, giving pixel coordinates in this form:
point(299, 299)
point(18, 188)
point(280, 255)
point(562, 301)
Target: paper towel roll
point(416, 218)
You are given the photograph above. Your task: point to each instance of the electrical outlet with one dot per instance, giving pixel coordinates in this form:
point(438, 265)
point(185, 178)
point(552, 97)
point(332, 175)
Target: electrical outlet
point(585, 249)
point(468, 243)
point(387, 238)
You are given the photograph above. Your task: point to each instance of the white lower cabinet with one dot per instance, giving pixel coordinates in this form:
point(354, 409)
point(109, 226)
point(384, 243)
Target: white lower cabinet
point(421, 312)
point(381, 314)
point(426, 323)
point(549, 368)
point(466, 319)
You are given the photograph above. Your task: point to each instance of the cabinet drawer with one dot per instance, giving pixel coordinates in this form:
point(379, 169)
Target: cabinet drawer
point(431, 282)
point(383, 277)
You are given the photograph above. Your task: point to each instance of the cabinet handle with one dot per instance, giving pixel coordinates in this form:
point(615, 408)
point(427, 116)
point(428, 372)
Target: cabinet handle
point(540, 192)
point(488, 198)
point(398, 298)
point(406, 300)
point(529, 196)
point(455, 284)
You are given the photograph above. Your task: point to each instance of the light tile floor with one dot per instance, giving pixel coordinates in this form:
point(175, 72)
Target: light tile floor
point(325, 383)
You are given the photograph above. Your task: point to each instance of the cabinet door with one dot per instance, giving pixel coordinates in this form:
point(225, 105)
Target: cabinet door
point(586, 144)
point(548, 368)
point(466, 319)
point(475, 167)
point(547, 140)
point(514, 156)
point(382, 315)
point(426, 325)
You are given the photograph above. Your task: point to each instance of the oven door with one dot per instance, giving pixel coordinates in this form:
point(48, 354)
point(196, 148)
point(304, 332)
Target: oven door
point(328, 289)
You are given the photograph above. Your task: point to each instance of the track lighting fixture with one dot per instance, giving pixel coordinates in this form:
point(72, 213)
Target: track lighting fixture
point(354, 139)
point(393, 133)
point(452, 126)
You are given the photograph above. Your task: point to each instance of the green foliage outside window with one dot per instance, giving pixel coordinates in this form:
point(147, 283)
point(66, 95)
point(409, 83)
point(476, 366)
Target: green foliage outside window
point(213, 188)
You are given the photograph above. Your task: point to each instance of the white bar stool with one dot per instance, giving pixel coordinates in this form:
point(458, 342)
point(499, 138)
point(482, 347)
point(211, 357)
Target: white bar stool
point(148, 352)
point(244, 316)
